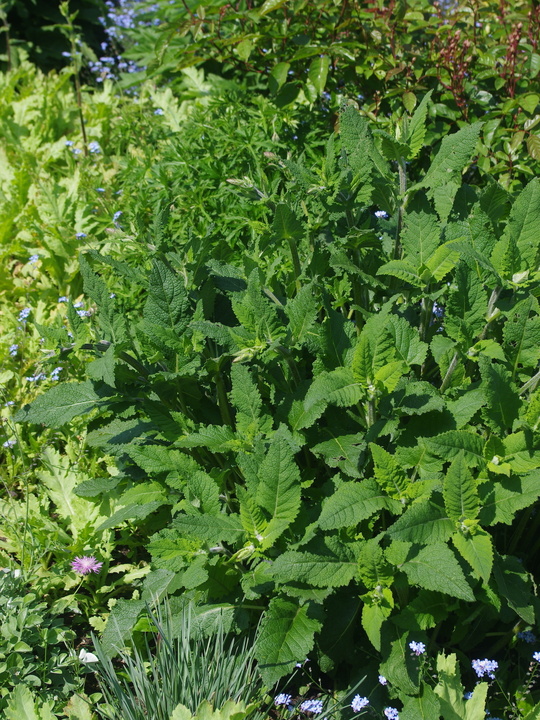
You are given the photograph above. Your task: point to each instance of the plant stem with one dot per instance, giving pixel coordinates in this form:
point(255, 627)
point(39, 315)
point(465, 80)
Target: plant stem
point(448, 375)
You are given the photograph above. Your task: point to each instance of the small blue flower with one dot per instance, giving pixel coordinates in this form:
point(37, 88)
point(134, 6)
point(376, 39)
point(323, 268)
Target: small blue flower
point(282, 699)
point(9, 443)
point(100, 190)
point(69, 143)
point(80, 235)
point(116, 215)
point(467, 696)
point(94, 147)
point(418, 648)
point(381, 214)
point(65, 53)
point(25, 312)
point(359, 703)
point(112, 295)
point(10, 403)
point(383, 680)
point(527, 635)
point(536, 656)
point(55, 373)
point(485, 667)
point(33, 259)
point(78, 304)
point(391, 713)
point(159, 111)
point(63, 298)
point(76, 151)
point(312, 706)
point(84, 313)
point(13, 350)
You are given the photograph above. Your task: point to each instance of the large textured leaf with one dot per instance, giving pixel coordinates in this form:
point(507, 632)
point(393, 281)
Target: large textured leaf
point(460, 494)
point(213, 529)
point(417, 126)
point(337, 387)
point(119, 625)
point(515, 585)
point(60, 404)
point(421, 233)
point(353, 502)
point(521, 334)
point(477, 550)
point(111, 322)
point(435, 568)
point(374, 349)
point(422, 523)
point(302, 313)
point(454, 154)
point(317, 570)
point(424, 707)
point(286, 225)
point(165, 310)
point(449, 444)
point(524, 224)
point(285, 638)
point(407, 344)
point(501, 500)
point(388, 472)
point(279, 489)
point(466, 306)
point(502, 396)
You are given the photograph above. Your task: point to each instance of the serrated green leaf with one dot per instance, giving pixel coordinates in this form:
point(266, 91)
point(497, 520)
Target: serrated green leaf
point(466, 306)
point(515, 585)
point(521, 334)
point(278, 76)
point(466, 406)
point(421, 234)
point(443, 260)
point(387, 472)
point(477, 550)
point(246, 399)
point(407, 344)
point(459, 491)
point(424, 707)
point(211, 528)
point(130, 512)
point(166, 308)
point(374, 349)
point(285, 638)
point(286, 225)
point(279, 491)
point(318, 570)
point(403, 270)
point(417, 126)
point(454, 154)
point(501, 500)
point(61, 403)
point(524, 224)
point(302, 313)
point(341, 451)
point(318, 72)
point(375, 611)
point(424, 522)
point(353, 502)
point(423, 568)
point(119, 625)
point(269, 6)
point(449, 444)
point(504, 402)
point(337, 387)
point(111, 322)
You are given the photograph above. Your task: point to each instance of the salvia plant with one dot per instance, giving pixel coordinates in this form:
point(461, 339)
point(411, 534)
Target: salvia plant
point(336, 436)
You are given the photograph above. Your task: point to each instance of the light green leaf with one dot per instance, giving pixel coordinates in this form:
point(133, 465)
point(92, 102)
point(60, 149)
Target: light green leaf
point(302, 313)
point(318, 570)
point(449, 444)
point(269, 5)
point(417, 126)
point(353, 502)
point(501, 394)
point(421, 234)
point(318, 72)
point(454, 154)
point(278, 76)
point(387, 472)
point(424, 569)
point(212, 528)
point(477, 550)
point(424, 707)
point(61, 403)
point(501, 500)
point(407, 344)
point(279, 489)
point(422, 523)
point(521, 334)
point(119, 625)
point(524, 224)
point(459, 491)
point(286, 225)
point(403, 270)
point(285, 638)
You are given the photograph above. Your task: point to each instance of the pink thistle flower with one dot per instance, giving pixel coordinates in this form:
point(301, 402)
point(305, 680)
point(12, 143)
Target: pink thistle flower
point(84, 565)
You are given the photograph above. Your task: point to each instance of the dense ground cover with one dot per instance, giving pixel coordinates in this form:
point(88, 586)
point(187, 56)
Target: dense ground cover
point(270, 354)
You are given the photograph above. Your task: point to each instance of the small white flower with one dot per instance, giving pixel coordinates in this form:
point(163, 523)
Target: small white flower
point(87, 657)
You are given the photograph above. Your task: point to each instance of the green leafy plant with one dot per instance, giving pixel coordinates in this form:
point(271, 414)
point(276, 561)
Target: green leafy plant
point(341, 431)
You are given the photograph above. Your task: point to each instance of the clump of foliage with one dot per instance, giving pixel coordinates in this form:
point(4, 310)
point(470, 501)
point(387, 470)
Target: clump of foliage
point(339, 430)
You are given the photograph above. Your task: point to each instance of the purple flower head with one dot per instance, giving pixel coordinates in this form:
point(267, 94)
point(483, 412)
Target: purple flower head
point(311, 706)
point(359, 703)
point(391, 713)
point(485, 667)
point(282, 699)
point(418, 648)
point(84, 565)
